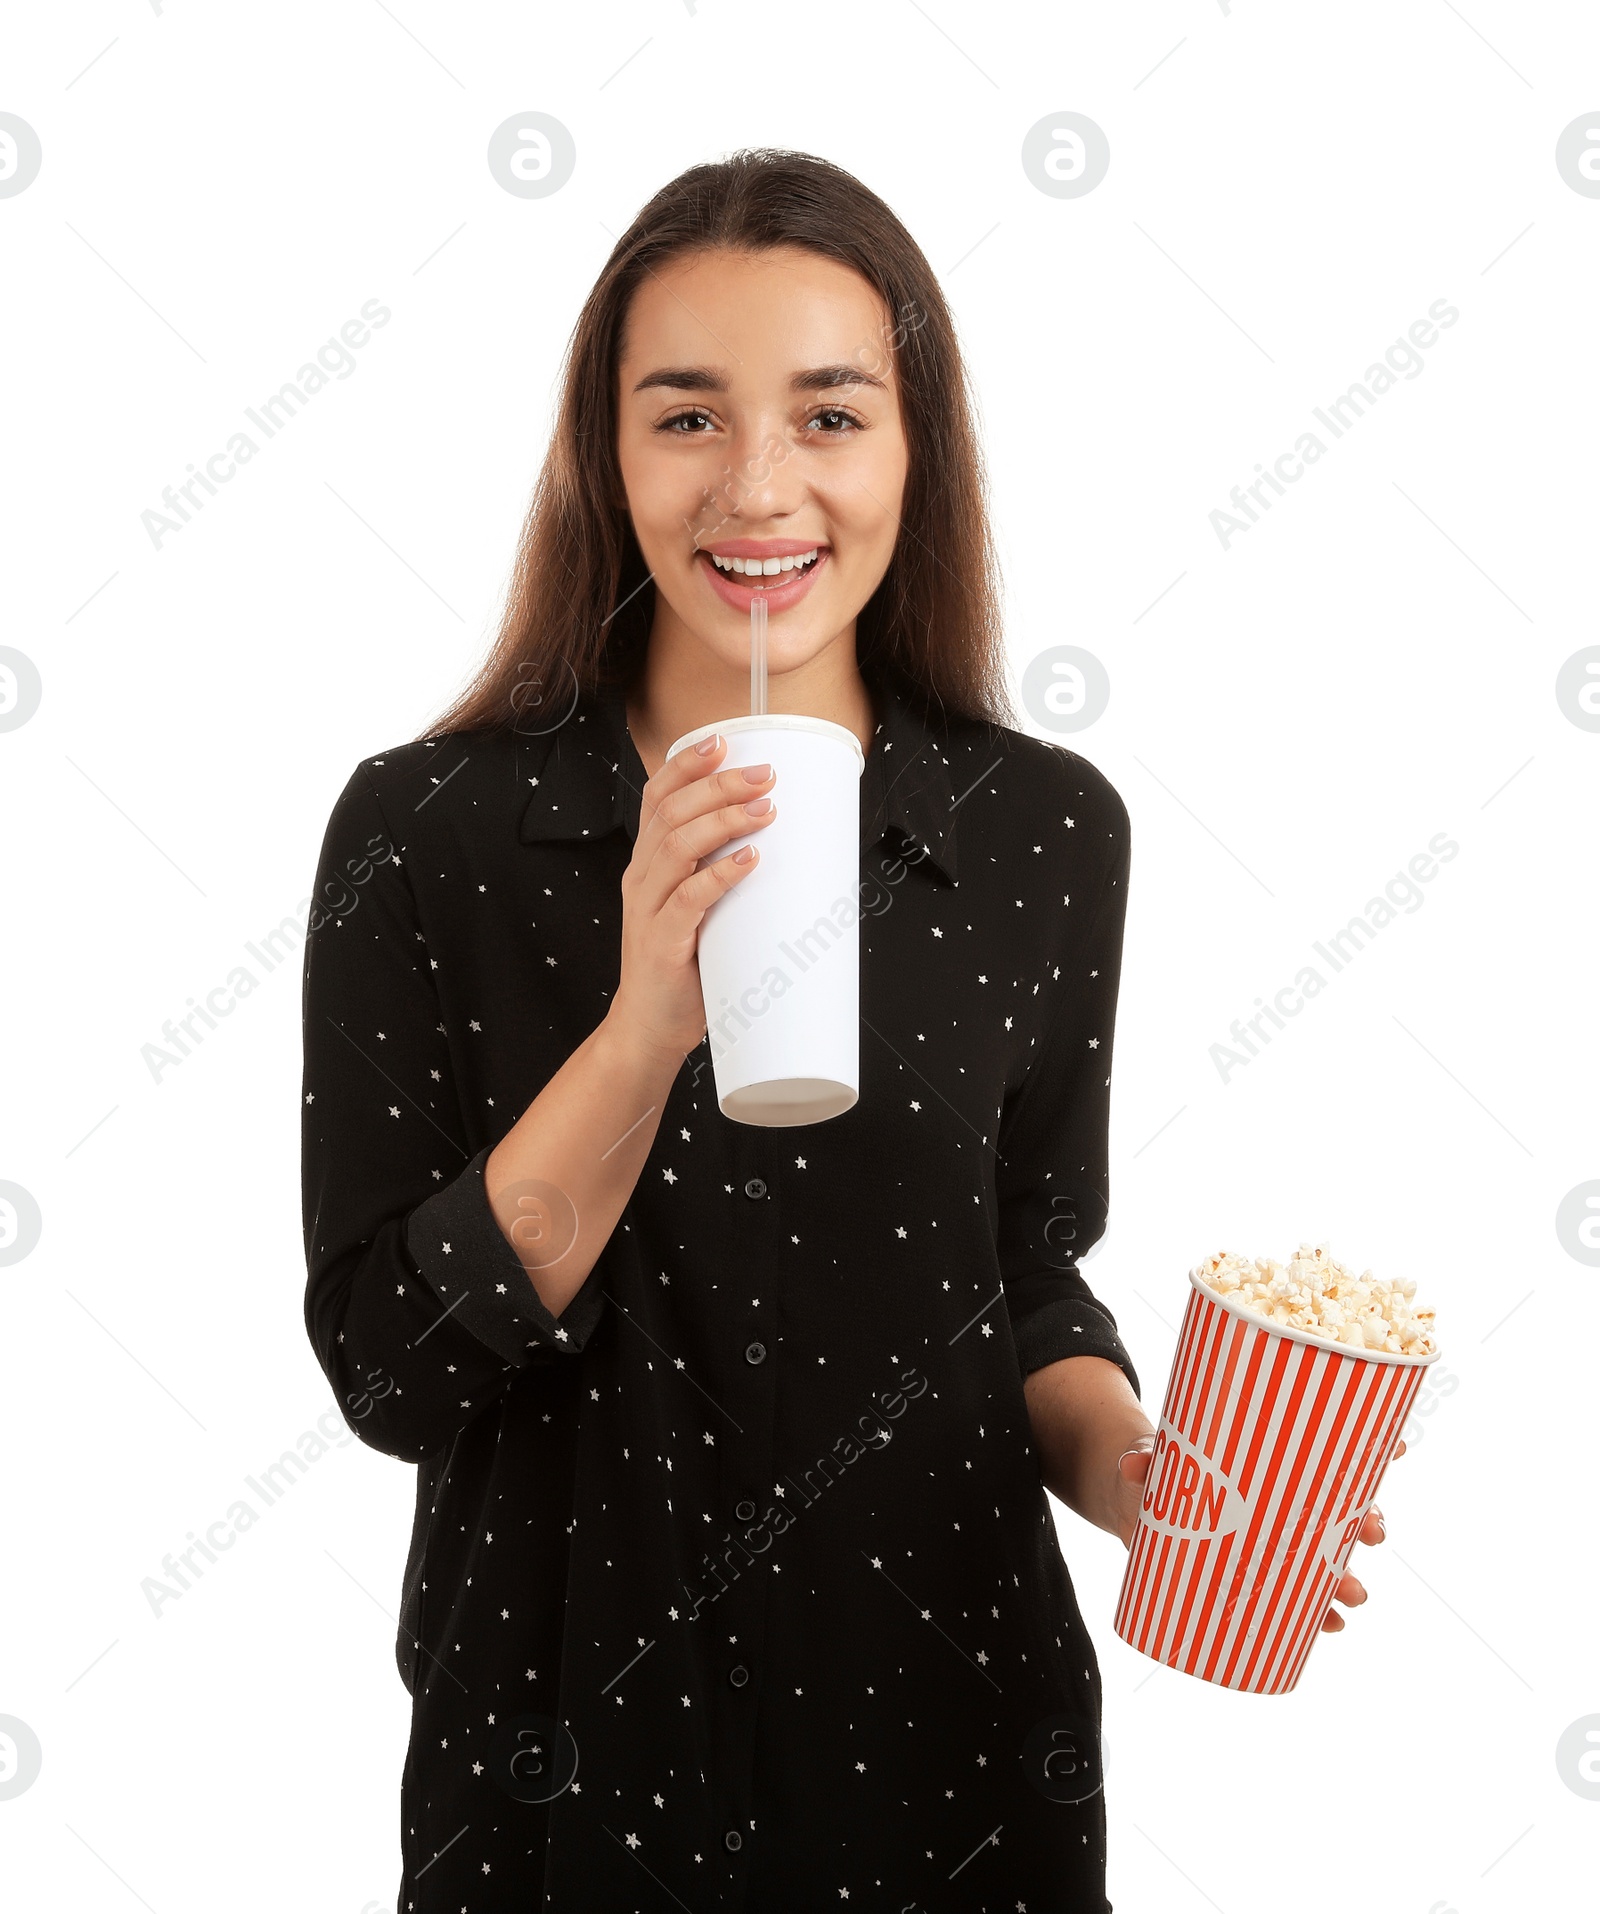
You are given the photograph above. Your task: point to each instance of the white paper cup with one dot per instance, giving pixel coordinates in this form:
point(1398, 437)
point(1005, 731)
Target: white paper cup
point(780, 953)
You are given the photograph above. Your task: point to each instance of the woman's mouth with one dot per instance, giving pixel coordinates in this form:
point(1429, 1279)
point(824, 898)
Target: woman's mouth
point(754, 568)
point(781, 579)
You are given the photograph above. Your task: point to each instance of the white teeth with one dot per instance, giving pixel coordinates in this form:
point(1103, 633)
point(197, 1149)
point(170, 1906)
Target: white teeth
point(765, 567)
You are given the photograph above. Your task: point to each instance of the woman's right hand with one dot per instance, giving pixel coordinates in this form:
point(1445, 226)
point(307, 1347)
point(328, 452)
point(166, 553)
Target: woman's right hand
point(685, 811)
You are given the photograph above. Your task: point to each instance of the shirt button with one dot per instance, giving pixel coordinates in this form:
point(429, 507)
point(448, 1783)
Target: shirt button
point(755, 1188)
point(733, 1840)
point(745, 1511)
point(739, 1675)
point(755, 1352)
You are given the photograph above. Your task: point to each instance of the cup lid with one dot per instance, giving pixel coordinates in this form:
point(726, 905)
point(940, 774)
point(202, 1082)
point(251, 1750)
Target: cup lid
point(772, 721)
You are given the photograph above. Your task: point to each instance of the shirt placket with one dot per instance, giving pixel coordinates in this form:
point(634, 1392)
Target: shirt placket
point(737, 1564)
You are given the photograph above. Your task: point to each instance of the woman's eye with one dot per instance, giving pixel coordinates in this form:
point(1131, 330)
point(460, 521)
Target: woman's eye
point(686, 423)
point(836, 413)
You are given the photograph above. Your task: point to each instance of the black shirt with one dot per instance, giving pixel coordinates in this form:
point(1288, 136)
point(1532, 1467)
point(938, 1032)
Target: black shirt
point(736, 1586)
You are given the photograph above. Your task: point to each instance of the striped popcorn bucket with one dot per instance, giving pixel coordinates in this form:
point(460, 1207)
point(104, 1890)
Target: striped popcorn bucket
point(1270, 1449)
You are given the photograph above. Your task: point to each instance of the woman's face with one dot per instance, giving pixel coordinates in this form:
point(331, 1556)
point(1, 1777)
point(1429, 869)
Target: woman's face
point(759, 420)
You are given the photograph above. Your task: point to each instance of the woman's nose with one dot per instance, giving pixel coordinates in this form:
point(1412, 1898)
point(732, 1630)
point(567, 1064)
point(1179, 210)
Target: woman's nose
point(761, 480)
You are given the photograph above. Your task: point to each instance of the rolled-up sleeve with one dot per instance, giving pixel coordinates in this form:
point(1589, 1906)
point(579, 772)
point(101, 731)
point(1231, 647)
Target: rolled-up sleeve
point(419, 1310)
point(462, 1253)
point(1052, 1176)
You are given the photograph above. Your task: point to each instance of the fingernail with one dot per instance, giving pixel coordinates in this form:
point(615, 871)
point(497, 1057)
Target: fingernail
point(707, 745)
point(758, 773)
point(759, 807)
point(1382, 1530)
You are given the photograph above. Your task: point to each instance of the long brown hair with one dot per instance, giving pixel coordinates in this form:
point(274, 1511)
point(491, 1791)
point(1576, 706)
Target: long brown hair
point(580, 603)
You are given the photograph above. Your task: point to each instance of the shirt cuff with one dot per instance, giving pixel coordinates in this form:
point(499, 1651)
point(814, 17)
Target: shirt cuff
point(1068, 1328)
point(463, 1256)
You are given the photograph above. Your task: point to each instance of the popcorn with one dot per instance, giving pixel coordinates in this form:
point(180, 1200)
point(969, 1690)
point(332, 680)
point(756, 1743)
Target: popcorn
point(1318, 1295)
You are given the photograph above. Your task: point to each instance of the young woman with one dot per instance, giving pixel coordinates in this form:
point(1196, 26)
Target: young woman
point(733, 1582)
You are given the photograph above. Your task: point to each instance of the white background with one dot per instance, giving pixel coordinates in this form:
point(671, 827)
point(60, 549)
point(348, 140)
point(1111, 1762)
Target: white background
point(1291, 720)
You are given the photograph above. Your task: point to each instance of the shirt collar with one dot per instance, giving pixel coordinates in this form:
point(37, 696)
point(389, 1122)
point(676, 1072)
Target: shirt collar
point(587, 776)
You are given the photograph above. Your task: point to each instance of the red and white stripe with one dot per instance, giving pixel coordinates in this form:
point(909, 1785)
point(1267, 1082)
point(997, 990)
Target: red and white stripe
point(1269, 1452)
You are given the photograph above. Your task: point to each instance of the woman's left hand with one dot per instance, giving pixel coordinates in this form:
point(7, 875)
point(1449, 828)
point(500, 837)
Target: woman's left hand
point(1134, 1465)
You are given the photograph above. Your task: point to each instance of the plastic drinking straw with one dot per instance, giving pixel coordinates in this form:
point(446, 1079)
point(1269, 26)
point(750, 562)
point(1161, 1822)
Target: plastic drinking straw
point(758, 655)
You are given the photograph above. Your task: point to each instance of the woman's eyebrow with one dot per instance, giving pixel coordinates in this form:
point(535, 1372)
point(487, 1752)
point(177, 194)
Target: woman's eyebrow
point(684, 379)
point(825, 378)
